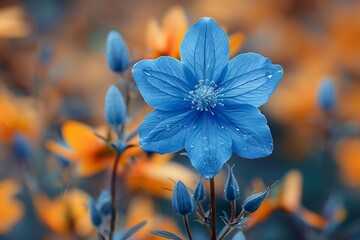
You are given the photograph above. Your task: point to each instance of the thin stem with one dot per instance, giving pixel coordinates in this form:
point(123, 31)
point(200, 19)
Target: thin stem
point(113, 195)
point(213, 209)
point(201, 216)
point(186, 221)
point(231, 221)
point(233, 210)
point(240, 215)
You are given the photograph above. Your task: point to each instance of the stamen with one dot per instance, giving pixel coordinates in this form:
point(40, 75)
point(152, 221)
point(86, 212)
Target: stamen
point(205, 96)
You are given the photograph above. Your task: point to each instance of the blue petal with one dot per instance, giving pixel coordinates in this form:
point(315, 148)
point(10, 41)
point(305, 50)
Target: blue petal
point(251, 137)
point(164, 132)
point(205, 49)
point(164, 83)
point(208, 145)
point(251, 78)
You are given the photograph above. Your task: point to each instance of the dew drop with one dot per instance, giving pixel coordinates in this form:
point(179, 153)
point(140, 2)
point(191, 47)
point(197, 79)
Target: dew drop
point(269, 76)
point(205, 138)
point(245, 149)
point(191, 146)
point(147, 72)
point(222, 143)
point(237, 129)
point(167, 127)
point(245, 137)
point(222, 127)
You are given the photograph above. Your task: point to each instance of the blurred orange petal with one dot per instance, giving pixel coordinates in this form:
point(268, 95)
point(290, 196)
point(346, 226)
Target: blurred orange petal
point(291, 192)
point(80, 137)
point(236, 41)
point(348, 159)
point(65, 214)
point(143, 209)
point(12, 22)
point(11, 210)
point(155, 178)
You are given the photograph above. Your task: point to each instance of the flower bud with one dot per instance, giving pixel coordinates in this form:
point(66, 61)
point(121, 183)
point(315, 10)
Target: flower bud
point(115, 108)
point(104, 203)
point(199, 192)
point(95, 215)
point(327, 95)
point(181, 202)
point(231, 190)
point(21, 147)
point(252, 203)
point(117, 53)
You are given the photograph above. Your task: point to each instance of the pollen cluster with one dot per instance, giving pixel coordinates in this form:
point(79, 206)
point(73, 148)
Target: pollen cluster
point(205, 96)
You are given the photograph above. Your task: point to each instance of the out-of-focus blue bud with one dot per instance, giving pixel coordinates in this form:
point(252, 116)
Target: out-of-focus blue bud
point(94, 212)
point(199, 192)
point(231, 189)
point(45, 53)
point(104, 203)
point(21, 147)
point(117, 53)
point(119, 145)
point(327, 95)
point(182, 202)
point(115, 108)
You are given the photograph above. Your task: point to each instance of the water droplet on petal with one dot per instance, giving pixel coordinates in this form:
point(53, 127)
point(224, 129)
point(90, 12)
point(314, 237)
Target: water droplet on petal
point(222, 143)
point(191, 146)
point(245, 137)
point(269, 76)
point(205, 138)
point(237, 129)
point(147, 72)
point(167, 127)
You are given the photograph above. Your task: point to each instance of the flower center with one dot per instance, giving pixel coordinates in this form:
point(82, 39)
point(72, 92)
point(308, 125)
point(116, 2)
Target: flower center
point(205, 96)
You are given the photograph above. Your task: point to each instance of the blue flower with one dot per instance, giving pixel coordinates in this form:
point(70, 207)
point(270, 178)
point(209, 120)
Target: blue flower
point(206, 103)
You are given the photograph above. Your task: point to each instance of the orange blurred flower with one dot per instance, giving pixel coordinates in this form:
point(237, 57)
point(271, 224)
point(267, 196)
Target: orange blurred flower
point(11, 210)
point(165, 40)
point(288, 199)
point(348, 159)
point(90, 154)
point(17, 115)
point(65, 214)
point(143, 209)
point(152, 174)
point(12, 22)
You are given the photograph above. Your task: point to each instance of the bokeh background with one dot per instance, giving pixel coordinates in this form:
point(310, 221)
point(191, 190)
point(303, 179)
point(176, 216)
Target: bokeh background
point(53, 69)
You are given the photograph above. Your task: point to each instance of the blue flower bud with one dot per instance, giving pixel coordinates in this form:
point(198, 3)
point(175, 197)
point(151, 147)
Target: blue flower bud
point(21, 147)
point(199, 192)
point(117, 53)
point(252, 203)
point(327, 95)
point(231, 190)
point(94, 212)
point(115, 108)
point(104, 203)
point(181, 202)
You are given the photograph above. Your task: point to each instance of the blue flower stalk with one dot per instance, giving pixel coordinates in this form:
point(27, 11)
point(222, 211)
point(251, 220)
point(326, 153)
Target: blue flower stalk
point(206, 103)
